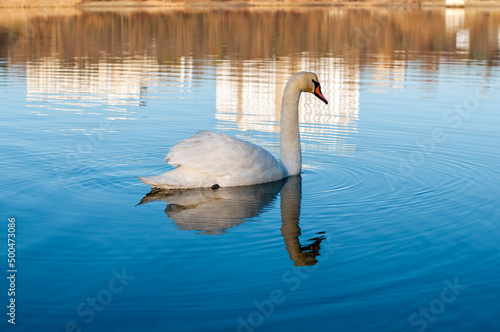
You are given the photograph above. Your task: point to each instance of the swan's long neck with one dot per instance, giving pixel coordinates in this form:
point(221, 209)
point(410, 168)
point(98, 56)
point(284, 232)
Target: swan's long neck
point(290, 152)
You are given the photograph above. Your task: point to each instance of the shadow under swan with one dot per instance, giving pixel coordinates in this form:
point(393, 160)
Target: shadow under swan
point(214, 211)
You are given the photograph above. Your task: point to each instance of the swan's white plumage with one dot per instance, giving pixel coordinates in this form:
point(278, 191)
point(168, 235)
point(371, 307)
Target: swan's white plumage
point(228, 155)
point(208, 159)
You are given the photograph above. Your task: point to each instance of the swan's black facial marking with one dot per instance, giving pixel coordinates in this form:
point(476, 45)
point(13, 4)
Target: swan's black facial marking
point(317, 92)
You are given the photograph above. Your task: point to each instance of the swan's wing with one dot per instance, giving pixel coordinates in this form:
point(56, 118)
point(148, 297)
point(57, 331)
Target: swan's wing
point(218, 154)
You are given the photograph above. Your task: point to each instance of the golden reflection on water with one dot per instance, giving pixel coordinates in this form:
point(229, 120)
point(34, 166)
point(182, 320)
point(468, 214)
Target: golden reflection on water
point(76, 58)
point(249, 34)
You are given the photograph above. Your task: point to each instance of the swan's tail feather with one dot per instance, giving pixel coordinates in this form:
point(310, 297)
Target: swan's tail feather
point(179, 178)
point(146, 180)
point(157, 182)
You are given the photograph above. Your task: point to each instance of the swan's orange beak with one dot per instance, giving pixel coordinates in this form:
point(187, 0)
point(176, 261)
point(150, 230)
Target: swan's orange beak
point(317, 92)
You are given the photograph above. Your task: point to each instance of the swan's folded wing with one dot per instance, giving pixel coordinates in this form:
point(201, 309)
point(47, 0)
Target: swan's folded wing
point(219, 154)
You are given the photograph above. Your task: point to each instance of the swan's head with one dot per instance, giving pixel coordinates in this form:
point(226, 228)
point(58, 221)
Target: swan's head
point(309, 83)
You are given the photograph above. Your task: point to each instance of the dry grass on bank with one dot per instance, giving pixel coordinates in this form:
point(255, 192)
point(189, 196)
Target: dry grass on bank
point(39, 3)
point(203, 3)
point(231, 3)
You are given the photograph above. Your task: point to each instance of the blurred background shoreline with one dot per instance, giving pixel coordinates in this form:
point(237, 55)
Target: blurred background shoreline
point(242, 3)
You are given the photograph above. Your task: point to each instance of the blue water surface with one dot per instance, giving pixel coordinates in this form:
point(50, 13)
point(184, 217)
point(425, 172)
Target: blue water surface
point(392, 225)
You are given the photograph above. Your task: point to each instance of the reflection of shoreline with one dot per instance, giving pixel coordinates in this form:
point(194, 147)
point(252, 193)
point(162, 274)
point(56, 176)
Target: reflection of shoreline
point(244, 34)
point(56, 85)
point(50, 80)
point(113, 58)
point(286, 4)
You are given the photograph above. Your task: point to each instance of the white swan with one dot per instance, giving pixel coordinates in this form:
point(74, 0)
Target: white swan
point(217, 160)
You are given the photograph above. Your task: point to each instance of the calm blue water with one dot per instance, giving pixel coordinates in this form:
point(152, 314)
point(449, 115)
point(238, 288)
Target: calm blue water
point(392, 226)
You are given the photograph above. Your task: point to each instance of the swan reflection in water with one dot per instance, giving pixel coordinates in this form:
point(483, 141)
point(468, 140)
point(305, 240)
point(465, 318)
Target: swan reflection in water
point(214, 211)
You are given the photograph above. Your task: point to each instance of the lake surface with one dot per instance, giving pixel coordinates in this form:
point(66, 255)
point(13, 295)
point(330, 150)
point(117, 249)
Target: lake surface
point(393, 224)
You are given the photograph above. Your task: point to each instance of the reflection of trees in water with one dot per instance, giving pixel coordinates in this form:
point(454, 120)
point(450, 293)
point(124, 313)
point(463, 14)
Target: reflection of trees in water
point(250, 34)
point(214, 211)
